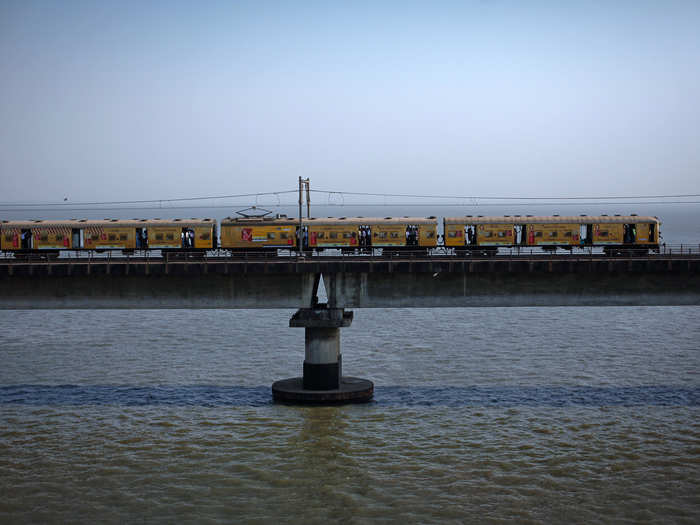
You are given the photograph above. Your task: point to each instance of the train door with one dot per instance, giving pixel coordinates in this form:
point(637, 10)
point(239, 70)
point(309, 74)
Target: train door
point(630, 233)
point(583, 234)
point(470, 235)
point(26, 237)
point(652, 233)
point(76, 238)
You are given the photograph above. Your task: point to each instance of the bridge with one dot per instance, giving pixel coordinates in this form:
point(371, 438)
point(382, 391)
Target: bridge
point(350, 282)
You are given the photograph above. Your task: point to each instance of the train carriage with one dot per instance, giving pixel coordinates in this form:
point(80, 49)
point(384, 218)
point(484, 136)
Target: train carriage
point(370, 232)
point(104, 235)
point(253, 233)
point(616, 234)
point(179, 234)
point(40, 236)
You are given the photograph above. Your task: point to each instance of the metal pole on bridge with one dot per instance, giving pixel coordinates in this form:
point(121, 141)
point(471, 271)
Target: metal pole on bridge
point(300, 233)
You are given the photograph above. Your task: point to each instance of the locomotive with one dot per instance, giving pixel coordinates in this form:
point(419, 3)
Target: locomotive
point(616, 234)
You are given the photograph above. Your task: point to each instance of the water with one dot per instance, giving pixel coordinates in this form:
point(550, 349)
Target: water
point(480, 415)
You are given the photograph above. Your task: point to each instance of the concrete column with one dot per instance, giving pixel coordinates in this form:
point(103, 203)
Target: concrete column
point(323, 381)
point(322, 359)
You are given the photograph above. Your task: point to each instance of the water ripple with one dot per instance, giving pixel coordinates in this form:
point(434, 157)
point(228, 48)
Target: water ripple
point(451, 396)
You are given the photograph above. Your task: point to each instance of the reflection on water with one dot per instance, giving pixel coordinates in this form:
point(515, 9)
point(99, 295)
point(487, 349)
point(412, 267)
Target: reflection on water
point(532, 414)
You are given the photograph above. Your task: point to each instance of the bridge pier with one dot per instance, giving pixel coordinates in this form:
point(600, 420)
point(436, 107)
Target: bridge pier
point(323, 381)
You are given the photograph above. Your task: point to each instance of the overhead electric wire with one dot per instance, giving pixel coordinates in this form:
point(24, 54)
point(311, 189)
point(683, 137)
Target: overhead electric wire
point(416, 196)
point(350, 205)
point(147, 201)
point(466, 201)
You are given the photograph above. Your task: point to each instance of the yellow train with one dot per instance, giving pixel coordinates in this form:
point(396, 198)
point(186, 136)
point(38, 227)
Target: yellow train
point(461, 235)
point(617, 233)
point(46, 236)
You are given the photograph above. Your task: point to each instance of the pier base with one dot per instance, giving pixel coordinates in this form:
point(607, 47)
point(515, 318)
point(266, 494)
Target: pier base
point(323, 381)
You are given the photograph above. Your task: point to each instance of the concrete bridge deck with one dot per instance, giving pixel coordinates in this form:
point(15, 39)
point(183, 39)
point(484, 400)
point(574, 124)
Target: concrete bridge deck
point(350, 281)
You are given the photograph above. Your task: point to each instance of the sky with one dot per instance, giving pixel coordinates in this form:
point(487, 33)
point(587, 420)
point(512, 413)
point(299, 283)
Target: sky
point(154, 100)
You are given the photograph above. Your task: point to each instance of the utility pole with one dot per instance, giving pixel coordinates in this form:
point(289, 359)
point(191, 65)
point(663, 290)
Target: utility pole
point(302, 183)
point(308, 199)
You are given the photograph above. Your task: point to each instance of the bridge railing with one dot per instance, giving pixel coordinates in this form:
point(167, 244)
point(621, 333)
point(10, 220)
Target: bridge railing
point(158, 256)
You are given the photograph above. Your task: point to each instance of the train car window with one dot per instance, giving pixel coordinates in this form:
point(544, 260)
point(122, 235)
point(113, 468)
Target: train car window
point(271, 235)
point(9, 237)
point(430, 235)
point(487, 234)
point(283, 235)
point(603, 234)
point(320, 235)
point(567, 234)
point(394, 235)
point(112, 236)
point(354, 234)
point(205, 236)
point(170, 236)
point(553, 234)
point(44, 238)
point(159, 236)
point(333, 235)
point(347, 235)
point(538, 234)
point(501, 234)
point(381, 235)
point(452, 234)
point(122, 236)
point(59, 237)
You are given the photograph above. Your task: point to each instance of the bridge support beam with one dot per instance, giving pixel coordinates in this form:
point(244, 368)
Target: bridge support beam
point(323, 381)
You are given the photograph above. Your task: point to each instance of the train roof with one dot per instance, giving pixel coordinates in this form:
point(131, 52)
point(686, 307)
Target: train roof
point(553, 219)
point(328, 221)
point(273, 221)
point(85, 223)
point(359, 221)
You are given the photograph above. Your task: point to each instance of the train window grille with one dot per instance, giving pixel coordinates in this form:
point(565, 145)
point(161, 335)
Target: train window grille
point(394, 235)
point(170, 236)
point(333, 235)
point(380, 235)
point(553, 234)
point(159, 236)
point(112, 236)
point(567, 234)
point(122, 236)
point(283, 235)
